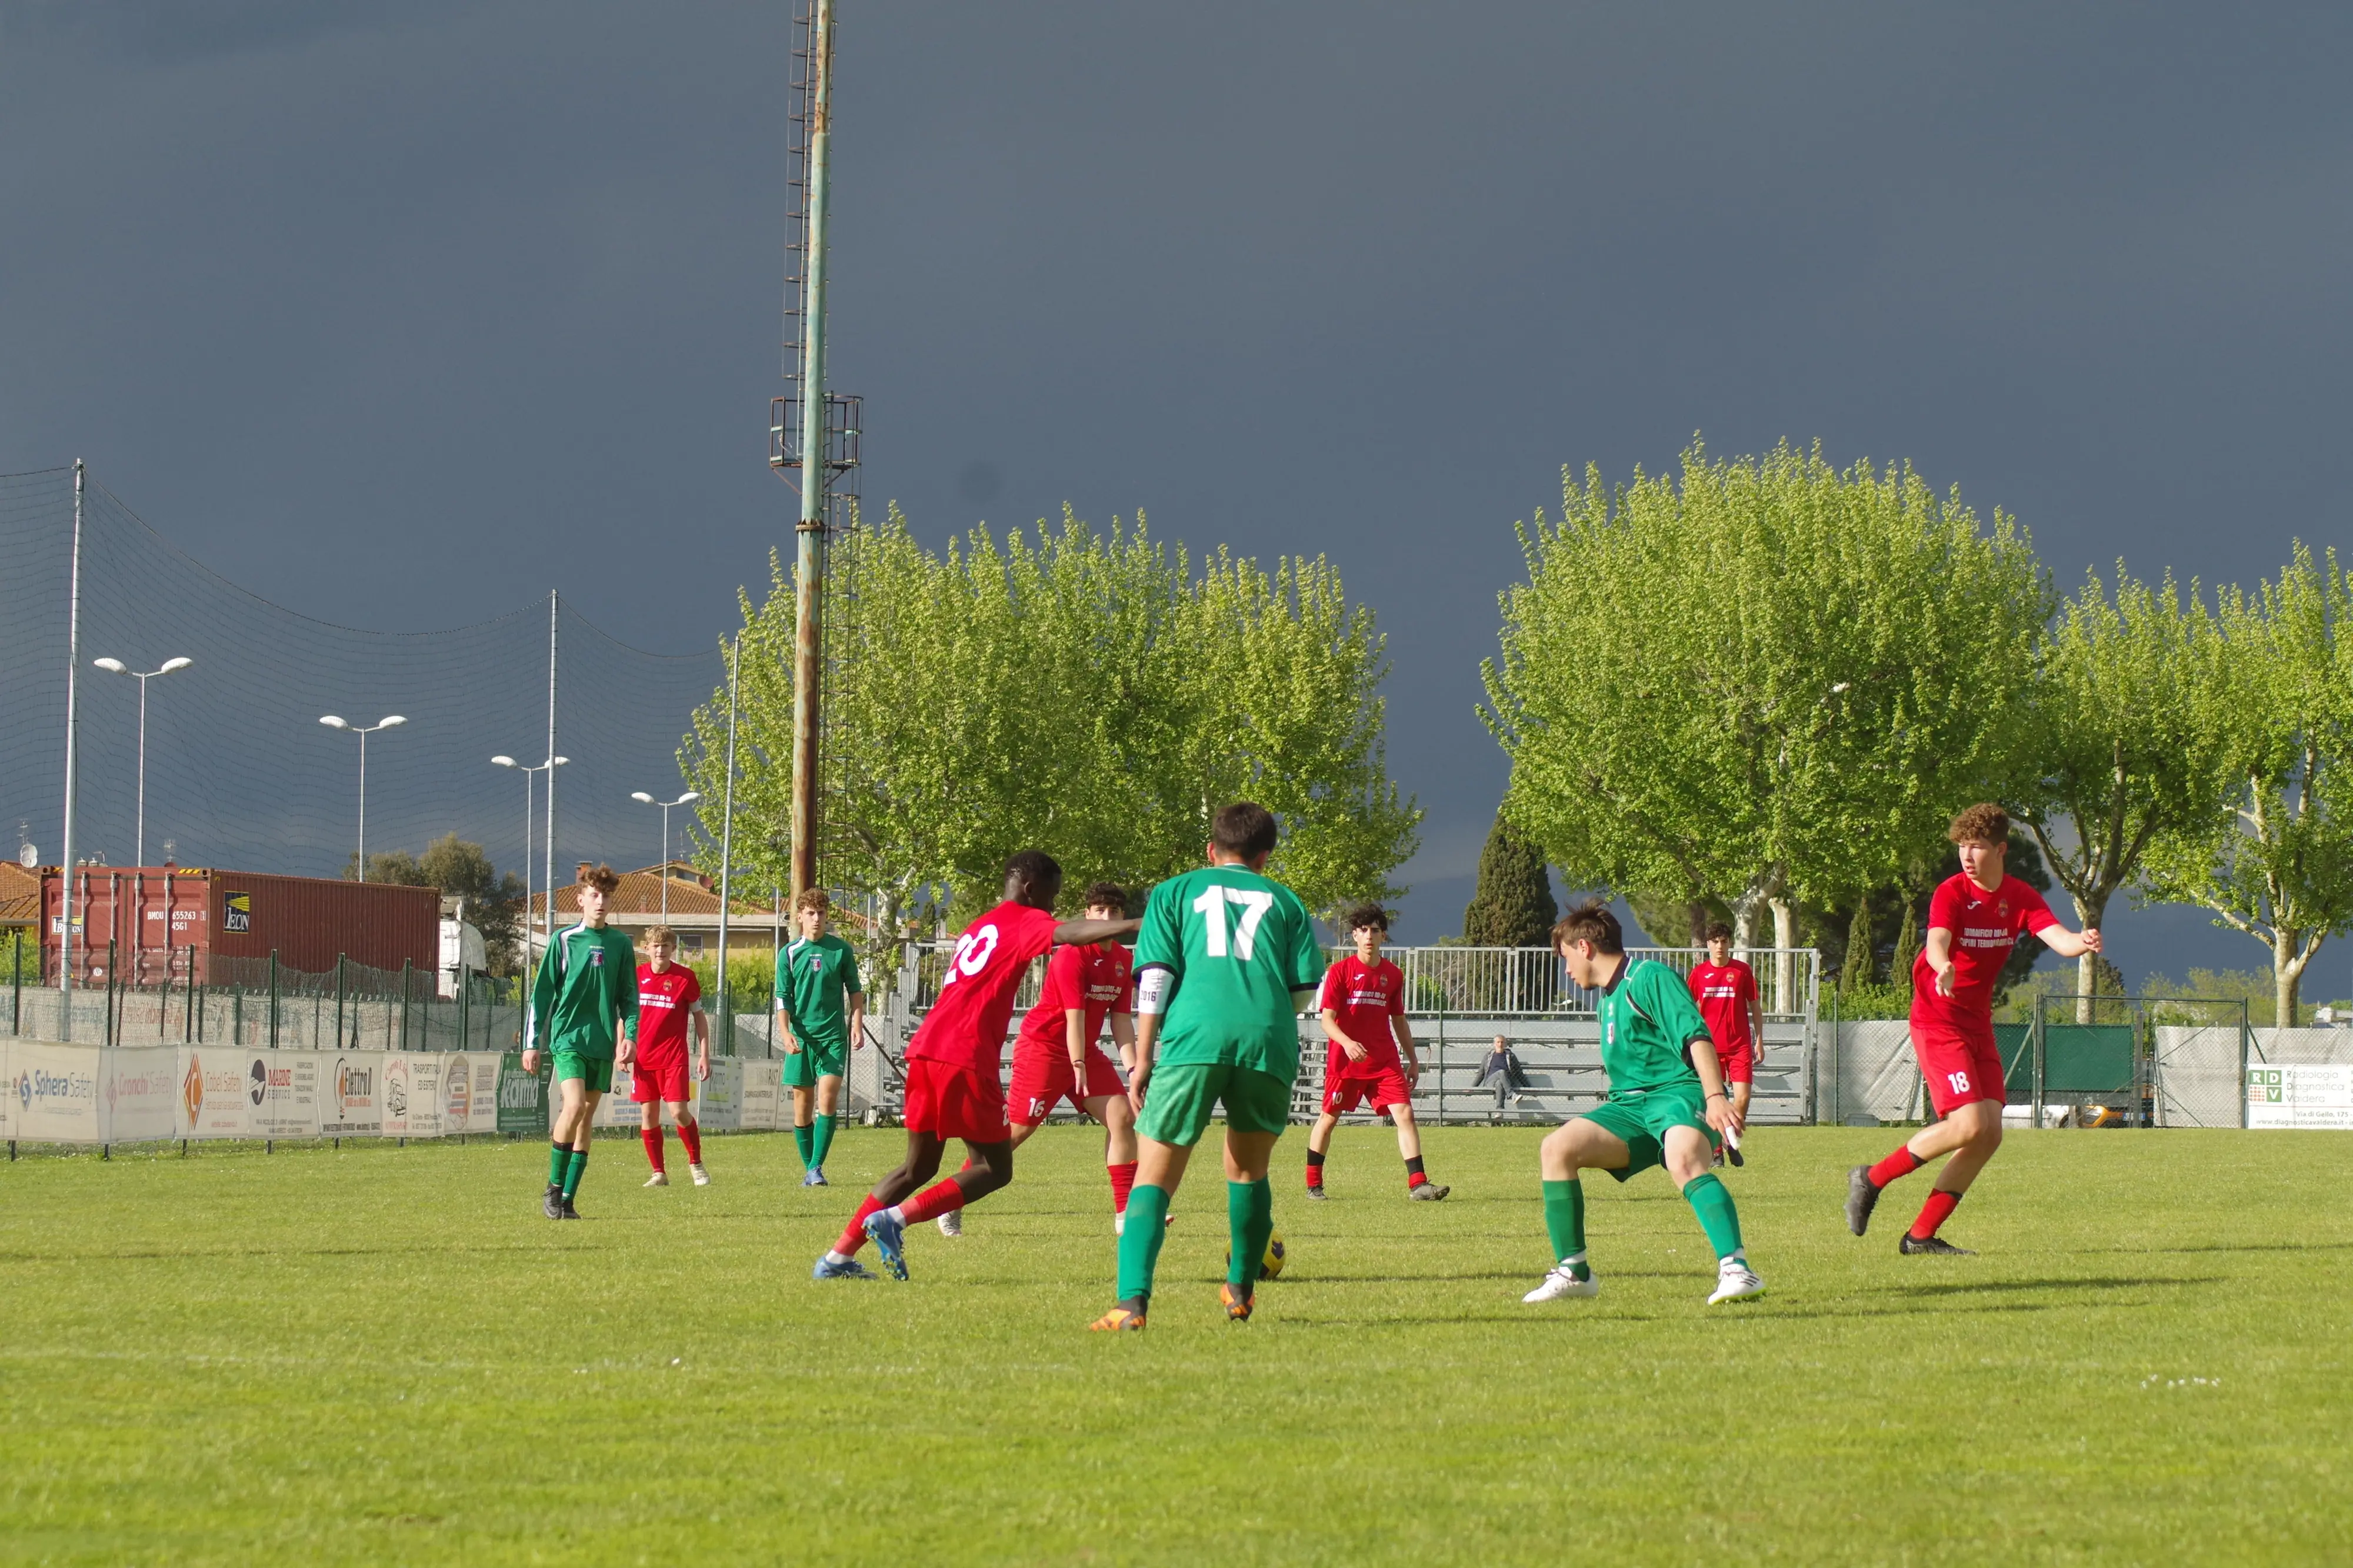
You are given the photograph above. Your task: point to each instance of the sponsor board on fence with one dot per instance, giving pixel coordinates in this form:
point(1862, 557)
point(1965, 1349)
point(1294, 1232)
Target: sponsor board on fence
point(142, 1085)
point(521, 1096)
point(722, 1096)
point(470, 1093)
point(2300, 1095)
point(53, 1093)
point(216, 1095)
point(425, 1094)
point(284, 1088)
point(351, 1094)
point(759, 1094)
point(394, 1095)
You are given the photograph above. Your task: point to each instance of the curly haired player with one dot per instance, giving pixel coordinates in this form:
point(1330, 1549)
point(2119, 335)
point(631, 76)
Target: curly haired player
point(1975, 918)
point(1372, 1058)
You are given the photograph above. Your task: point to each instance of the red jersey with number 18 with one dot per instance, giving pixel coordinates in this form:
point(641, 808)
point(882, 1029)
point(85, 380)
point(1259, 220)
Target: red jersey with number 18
point(1985, 927)
point(966, 1027)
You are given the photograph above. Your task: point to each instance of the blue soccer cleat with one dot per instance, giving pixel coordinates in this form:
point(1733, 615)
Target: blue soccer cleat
point(816, 1178)
point(848, 1268)
point(808, 1178)
point(889, 1236)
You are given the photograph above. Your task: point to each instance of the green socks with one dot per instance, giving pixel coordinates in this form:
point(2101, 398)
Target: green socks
point(1139, 1243)
point(1564, 1205)
point(559, 1160)
point(804, 1140)
point(1249, 1221)
point(821, 1139)
point(1712, 1201)
point(573, 1169)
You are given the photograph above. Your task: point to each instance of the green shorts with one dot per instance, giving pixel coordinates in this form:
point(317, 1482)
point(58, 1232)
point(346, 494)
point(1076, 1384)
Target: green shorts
point(1179, 1099)
point(1640, 1122)
point(596, 1073)
point(814, 1060)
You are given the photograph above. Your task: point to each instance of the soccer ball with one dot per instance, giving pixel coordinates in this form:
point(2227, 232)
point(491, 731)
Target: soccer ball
point(1272, 1264)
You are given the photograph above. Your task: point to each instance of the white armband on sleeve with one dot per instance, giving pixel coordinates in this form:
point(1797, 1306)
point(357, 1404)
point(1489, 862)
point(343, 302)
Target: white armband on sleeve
point(1152, 988)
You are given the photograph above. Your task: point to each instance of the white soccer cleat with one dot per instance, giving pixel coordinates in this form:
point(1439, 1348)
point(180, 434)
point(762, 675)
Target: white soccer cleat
point(1735, 1281)
point(659, 1179)
point(702, 1177)
point(1564, 1282)
point(952, 1222)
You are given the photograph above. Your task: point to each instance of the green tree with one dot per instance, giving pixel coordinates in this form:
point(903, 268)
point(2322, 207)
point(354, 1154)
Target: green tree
point(2276, 702)
point(1758, 679)
point(1513, 905)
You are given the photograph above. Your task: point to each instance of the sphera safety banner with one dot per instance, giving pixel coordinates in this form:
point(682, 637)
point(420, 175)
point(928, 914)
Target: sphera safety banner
point(53, 1093)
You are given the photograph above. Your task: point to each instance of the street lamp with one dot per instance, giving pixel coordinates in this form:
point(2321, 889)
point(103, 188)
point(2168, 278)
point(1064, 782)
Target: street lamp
point(142, 678)
point(388, 722)
point(665, 805)
point(506, 761)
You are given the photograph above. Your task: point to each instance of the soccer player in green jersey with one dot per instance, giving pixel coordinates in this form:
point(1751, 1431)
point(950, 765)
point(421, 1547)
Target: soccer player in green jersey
point(588, 979)
point(1666, 1107)
point(820, 1018)
point(1224, 961)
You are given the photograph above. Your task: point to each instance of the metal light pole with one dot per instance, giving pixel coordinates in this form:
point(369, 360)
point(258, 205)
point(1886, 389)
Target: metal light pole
point(73, 737)
point(809, 576)
point(388, 722)
point(139, 856)
point(689, 797)
point(548, 768)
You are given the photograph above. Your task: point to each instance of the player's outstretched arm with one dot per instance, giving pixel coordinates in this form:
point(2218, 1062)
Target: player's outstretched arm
point(1080, 933)
point(2068, 944)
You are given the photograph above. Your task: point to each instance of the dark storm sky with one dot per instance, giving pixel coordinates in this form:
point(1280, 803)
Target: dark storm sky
point(461, 301)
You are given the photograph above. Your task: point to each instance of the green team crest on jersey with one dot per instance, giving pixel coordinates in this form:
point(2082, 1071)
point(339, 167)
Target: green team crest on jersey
point(1237, 944)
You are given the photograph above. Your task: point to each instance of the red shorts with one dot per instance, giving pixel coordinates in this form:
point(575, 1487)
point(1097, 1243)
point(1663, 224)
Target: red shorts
point(658, 1076)
point(1738, 1065)
point(950, 1101)
point(1960, 1061)
point(1042, 1079)
point(1384, 1088)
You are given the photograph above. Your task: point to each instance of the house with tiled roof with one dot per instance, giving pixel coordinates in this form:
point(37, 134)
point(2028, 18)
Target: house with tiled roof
point(637, 908)
point(20, 899)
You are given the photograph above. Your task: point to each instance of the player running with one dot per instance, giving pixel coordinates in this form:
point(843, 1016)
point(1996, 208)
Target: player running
point(1055, 1057)
point(668, 994)
point(1226, 960)
point(1363, 1005)
point(954, 1087)
point(588, 979)
point(1666, 1107)
point(1974, 920)
point(1726, 989)
point(820, 1019)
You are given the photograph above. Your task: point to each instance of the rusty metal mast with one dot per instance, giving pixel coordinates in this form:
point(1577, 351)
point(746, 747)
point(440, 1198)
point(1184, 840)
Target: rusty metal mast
point(811, 430)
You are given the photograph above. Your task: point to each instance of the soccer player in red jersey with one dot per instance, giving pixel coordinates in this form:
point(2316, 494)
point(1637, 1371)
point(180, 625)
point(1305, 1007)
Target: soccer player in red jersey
point(954, 1086)
point(1974, 920)
point(1725, 990)
point(668, 994)
point(1055, 1057)
point(1372, 1058)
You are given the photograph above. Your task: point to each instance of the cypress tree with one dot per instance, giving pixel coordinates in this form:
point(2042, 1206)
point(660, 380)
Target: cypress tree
point(1514, 904)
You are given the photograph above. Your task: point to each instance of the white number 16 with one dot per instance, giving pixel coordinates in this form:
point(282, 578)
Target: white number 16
point(1211, 907)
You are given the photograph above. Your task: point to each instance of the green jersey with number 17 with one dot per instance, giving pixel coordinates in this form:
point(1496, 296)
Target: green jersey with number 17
point(1237, 946)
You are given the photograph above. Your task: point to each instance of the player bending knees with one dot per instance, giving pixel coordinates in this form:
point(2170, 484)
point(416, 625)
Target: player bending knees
point(1372, 1058)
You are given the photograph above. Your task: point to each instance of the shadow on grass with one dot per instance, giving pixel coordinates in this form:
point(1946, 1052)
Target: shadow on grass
point(1967, 1287)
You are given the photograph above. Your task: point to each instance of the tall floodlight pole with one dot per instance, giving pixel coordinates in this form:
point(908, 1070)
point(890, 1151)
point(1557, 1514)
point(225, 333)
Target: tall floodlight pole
point(688, 798)
point(808, 629)
point(138, 855)
point(547, 767)
point(727, 846)
point(389, 722)
point(73, 668)
point(552, 762)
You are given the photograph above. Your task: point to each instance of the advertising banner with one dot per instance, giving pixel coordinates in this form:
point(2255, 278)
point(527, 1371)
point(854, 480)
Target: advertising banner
point(53, 1093)
point(721, 1095)
point(141, 1084)
point(470, 1093)
point(523, 1096)
point(758, 1094)
point(2298, 1094)
point(425, 1076)
point(617, 1110)
point(284, 1087)
point(351, 1094)
point(394, 1095)
point(7, 1093)
point(217, 1099)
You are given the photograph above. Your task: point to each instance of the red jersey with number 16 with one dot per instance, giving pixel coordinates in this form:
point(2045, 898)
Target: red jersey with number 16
point(1095, 979)
point(1985, 927)
point(966, 1027)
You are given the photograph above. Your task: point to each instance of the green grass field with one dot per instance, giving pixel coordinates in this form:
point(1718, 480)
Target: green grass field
point(382, 1354)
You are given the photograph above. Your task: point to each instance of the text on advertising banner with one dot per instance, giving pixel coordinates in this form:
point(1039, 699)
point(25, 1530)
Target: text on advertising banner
point(53, 1093)
point(288, 1084)
point(522, 1096)
point(141, 1086)
point(2300, 1094)
point(351, 1094)
point(216, 1099)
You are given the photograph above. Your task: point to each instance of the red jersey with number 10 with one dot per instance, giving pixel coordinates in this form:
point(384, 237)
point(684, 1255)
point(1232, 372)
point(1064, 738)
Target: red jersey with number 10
point(1985, 927)
point(1364, 997)
point(966, 1027)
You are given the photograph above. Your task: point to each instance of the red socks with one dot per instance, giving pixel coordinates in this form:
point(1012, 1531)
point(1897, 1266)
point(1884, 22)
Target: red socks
point(854, 1236)
point(1934, 1213)
point(1314, 1168)
point(1123, 1182)
point(931, 1202)
point(652, 1138)
point(692, 1136)
point(1901, 1163)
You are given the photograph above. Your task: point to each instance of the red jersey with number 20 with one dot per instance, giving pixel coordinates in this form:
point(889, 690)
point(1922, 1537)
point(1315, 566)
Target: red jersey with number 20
point(966, 1027)
point(1096, 978)
point(1985, 927)
point(1364, 997)
point(1723, 992)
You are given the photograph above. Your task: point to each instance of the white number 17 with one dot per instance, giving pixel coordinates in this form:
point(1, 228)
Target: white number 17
point(1211, 907)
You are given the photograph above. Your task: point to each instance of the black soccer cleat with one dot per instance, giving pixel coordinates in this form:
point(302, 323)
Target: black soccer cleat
point(552, 1205)
point(569, 1211)
point(1732, 1153)
point(1862, 1197)
point(1317, 1195)
point(1429, 1192)
point(1935, 1245)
